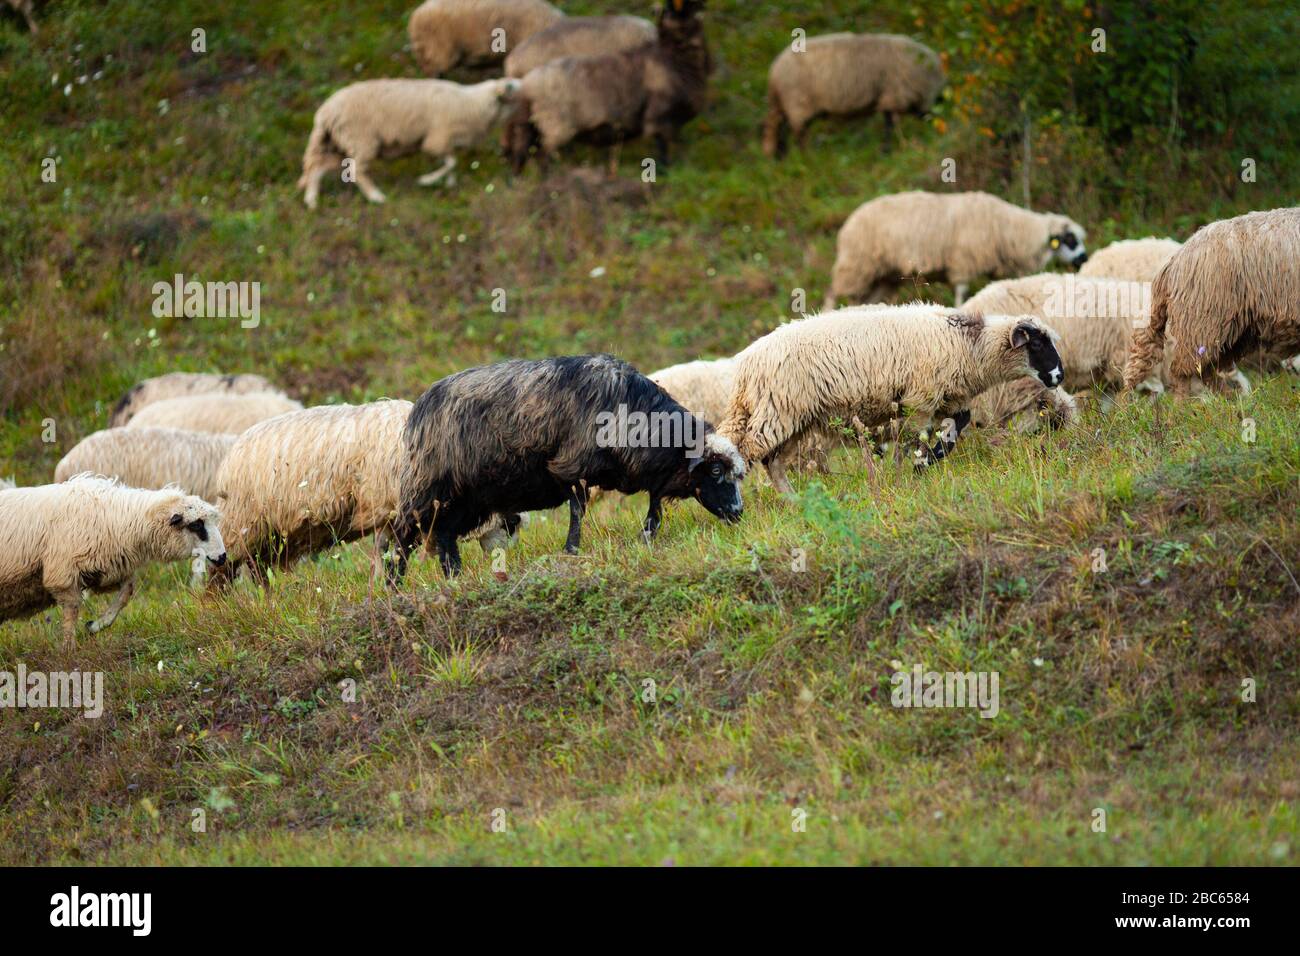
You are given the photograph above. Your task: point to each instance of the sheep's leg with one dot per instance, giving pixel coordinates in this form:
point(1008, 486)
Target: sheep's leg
point(947, 441)
point(70, 607)
point(105, 620)
point(1292, 364)
point(314, 177)
point(959, 292)
point(405, 534)
point(448, 552)
point(653, 518)
point(891, 131)
point(428, 179)
point(775, 465)
point(577, 508)
point(366, 184)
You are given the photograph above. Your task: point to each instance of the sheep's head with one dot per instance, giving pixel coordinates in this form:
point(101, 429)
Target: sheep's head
point(715, 478)
point(1032, 346)
point(1065, 242)
point(682, 9)
point(193, 527)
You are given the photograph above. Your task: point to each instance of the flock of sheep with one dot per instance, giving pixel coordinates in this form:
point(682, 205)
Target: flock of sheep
point(481, 448)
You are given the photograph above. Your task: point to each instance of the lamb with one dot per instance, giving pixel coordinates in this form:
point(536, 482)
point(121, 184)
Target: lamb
point(957, 236)
point(703, 386)
point(230, 414)
point(175, 384)
point(652, 91)
point(91, 533)
point(527, 435)
point(310, 479)
point(151, 458)
point(579, 36)
point(450, 33)
point(1133, 260)
point(25, 9)
point(374, 118)
point(1234, 286)
point(847, 74)
point(876, 364)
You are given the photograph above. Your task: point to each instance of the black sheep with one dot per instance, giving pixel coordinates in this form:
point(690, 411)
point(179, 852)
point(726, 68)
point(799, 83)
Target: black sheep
point(529, 435)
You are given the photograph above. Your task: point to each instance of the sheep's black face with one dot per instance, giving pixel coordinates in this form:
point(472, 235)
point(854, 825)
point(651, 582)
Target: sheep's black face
point(1068, 247)
point(1040, 354)
point(715, 478)
point(717, 489)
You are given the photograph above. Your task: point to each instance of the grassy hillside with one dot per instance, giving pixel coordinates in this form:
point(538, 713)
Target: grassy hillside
point(1120, 690)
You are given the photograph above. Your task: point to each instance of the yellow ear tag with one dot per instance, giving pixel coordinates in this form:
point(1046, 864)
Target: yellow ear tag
point(1056, 243)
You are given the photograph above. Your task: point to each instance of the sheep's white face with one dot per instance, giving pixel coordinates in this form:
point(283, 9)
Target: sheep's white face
point(1066, 244)
point(507, 93)
point(196, 523)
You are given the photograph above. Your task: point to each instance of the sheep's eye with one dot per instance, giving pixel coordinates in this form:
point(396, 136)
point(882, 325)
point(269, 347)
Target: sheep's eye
point(1069, 241)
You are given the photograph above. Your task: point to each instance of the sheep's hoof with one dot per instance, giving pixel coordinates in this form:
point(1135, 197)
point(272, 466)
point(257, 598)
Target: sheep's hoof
point(92, 627)
point(570, 550)
point(377, 198)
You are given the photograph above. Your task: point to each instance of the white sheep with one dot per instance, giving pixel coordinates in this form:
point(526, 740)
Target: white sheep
point(91, 533)
point(958, 237)
point(1133, 260)
point(849, 74)
point(579, 36)
point(216, 412)
point(1093, 317)
point(374, 118)
point(151, 458)
point(314, 478)
point(1233, 287)
point(874, 365)
point(176, 384)
point(450, 33)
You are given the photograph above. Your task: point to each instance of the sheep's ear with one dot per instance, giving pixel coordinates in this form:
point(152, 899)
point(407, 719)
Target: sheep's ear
point(1020, 336)
point(176, 520)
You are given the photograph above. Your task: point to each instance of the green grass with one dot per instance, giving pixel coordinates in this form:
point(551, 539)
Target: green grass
point(1120, 690)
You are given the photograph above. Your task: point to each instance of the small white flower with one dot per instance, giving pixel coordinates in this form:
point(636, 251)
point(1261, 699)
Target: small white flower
point(67, 90)
point(597, 272)
point(160, 667)
point(1038, 662)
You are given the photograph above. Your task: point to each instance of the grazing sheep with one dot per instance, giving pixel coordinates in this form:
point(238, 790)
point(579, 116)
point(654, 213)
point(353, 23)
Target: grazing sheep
point(1133, 260)
point(213, 413)
point(955, 236)
point(1023, 405)
point(91, 533)
point(704, 387)
point(528, 435)
point(652, 91)
point(1234, 286)
point(25, 9)
point(151, 458)
point(846, 74)
point(579, 36)
point(314, 478)
point(876, 364)
point(375, 118)
point(176, 384)
point(1094, 318)
point(450, 33)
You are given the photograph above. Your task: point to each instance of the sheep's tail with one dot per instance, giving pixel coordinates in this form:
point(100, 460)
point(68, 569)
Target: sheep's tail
point(319, 152)
point(1148, 346)
point(773, 125)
